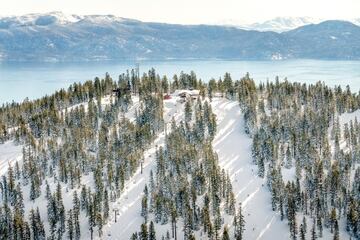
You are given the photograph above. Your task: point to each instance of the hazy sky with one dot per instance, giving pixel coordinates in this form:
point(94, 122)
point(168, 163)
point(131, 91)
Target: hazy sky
point(191, 11)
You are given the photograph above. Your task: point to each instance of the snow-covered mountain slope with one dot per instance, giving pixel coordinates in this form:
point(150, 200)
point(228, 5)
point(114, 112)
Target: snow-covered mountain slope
point(356, 21)
point(129, 204)
point(347, 117)
point(60, 37)
point(278, 24)
point(38, 20)
point(54, 18)
point(283, 24)
point(234, 149)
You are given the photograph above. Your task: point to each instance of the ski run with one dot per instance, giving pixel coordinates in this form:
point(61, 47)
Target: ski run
point(233, 147)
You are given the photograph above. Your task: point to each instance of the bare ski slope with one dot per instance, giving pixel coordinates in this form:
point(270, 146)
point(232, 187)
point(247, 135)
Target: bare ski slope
point(9, 155)
point(234, 150)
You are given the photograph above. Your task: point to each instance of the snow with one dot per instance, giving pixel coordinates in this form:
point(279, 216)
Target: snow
point(129, 203)
point(288, 174)
point(233, 147)
point(347, 117)
point(105, 101)
point(63, 18)
point(67, 194)
point(234, 150)
point(56, 17)
point(41, 19)
point(130, 114)
point(277, 56)
point(10, 153)
point(102, 18)
point(186, 91)
point(278, 24)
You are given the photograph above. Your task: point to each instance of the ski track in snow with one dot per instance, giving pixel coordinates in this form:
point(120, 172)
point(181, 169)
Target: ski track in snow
point(234, 150)
point(9, 155)
point(265, 229)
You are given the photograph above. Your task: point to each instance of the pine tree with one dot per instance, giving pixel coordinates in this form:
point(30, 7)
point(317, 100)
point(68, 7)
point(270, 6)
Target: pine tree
point(225, 235)
point(33, 223)
point(92, 219)
point(144, 208)
point(281, 207)
point(152, 235)
point(261, 165)
point(134, 236)
point(61, 212)
point(173, 220)
point(48, 191)
point(144, 232)
point(313, 231)
point(19, 200)
point(332, 219)
point(106, 208)
point(302, 232)
point(188, 111)
point(52, 215)
point(336, 231)
point(36, 225)
point(26, 232)
point(76, 225)
point(239, 224)
point(70, 225)
point(99, 223)
point(319, 226)
point(76, 203)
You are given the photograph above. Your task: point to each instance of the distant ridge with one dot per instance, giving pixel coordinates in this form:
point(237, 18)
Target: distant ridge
point(59, 37)
point(284, 24)
point(278, 24)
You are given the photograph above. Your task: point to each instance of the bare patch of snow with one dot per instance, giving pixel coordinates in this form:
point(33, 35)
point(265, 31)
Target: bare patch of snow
point(10, 153)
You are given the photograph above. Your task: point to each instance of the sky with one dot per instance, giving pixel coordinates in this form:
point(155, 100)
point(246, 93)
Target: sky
point(191, 11)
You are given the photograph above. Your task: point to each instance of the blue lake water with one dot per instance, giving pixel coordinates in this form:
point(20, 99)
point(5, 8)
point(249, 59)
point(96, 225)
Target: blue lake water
point(33, 80)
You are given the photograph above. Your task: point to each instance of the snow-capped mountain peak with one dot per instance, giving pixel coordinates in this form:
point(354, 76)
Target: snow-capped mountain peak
point(281, 24)
point(42, 19)
point(278, 24)
point(58, 18)
point(102, 18)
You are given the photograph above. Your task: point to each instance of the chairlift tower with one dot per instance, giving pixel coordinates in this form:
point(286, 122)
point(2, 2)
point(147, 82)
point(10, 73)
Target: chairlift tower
point(116, 211)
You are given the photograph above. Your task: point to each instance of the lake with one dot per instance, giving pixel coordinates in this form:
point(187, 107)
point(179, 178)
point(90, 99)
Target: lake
point(33, 80)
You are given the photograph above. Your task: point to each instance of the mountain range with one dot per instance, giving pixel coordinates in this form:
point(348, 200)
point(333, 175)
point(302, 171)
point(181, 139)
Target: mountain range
point(59, 37)
point(278, 24)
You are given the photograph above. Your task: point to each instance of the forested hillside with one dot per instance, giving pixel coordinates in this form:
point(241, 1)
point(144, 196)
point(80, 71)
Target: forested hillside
point(54, 37)
point(296, 128)
point(147, 158)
